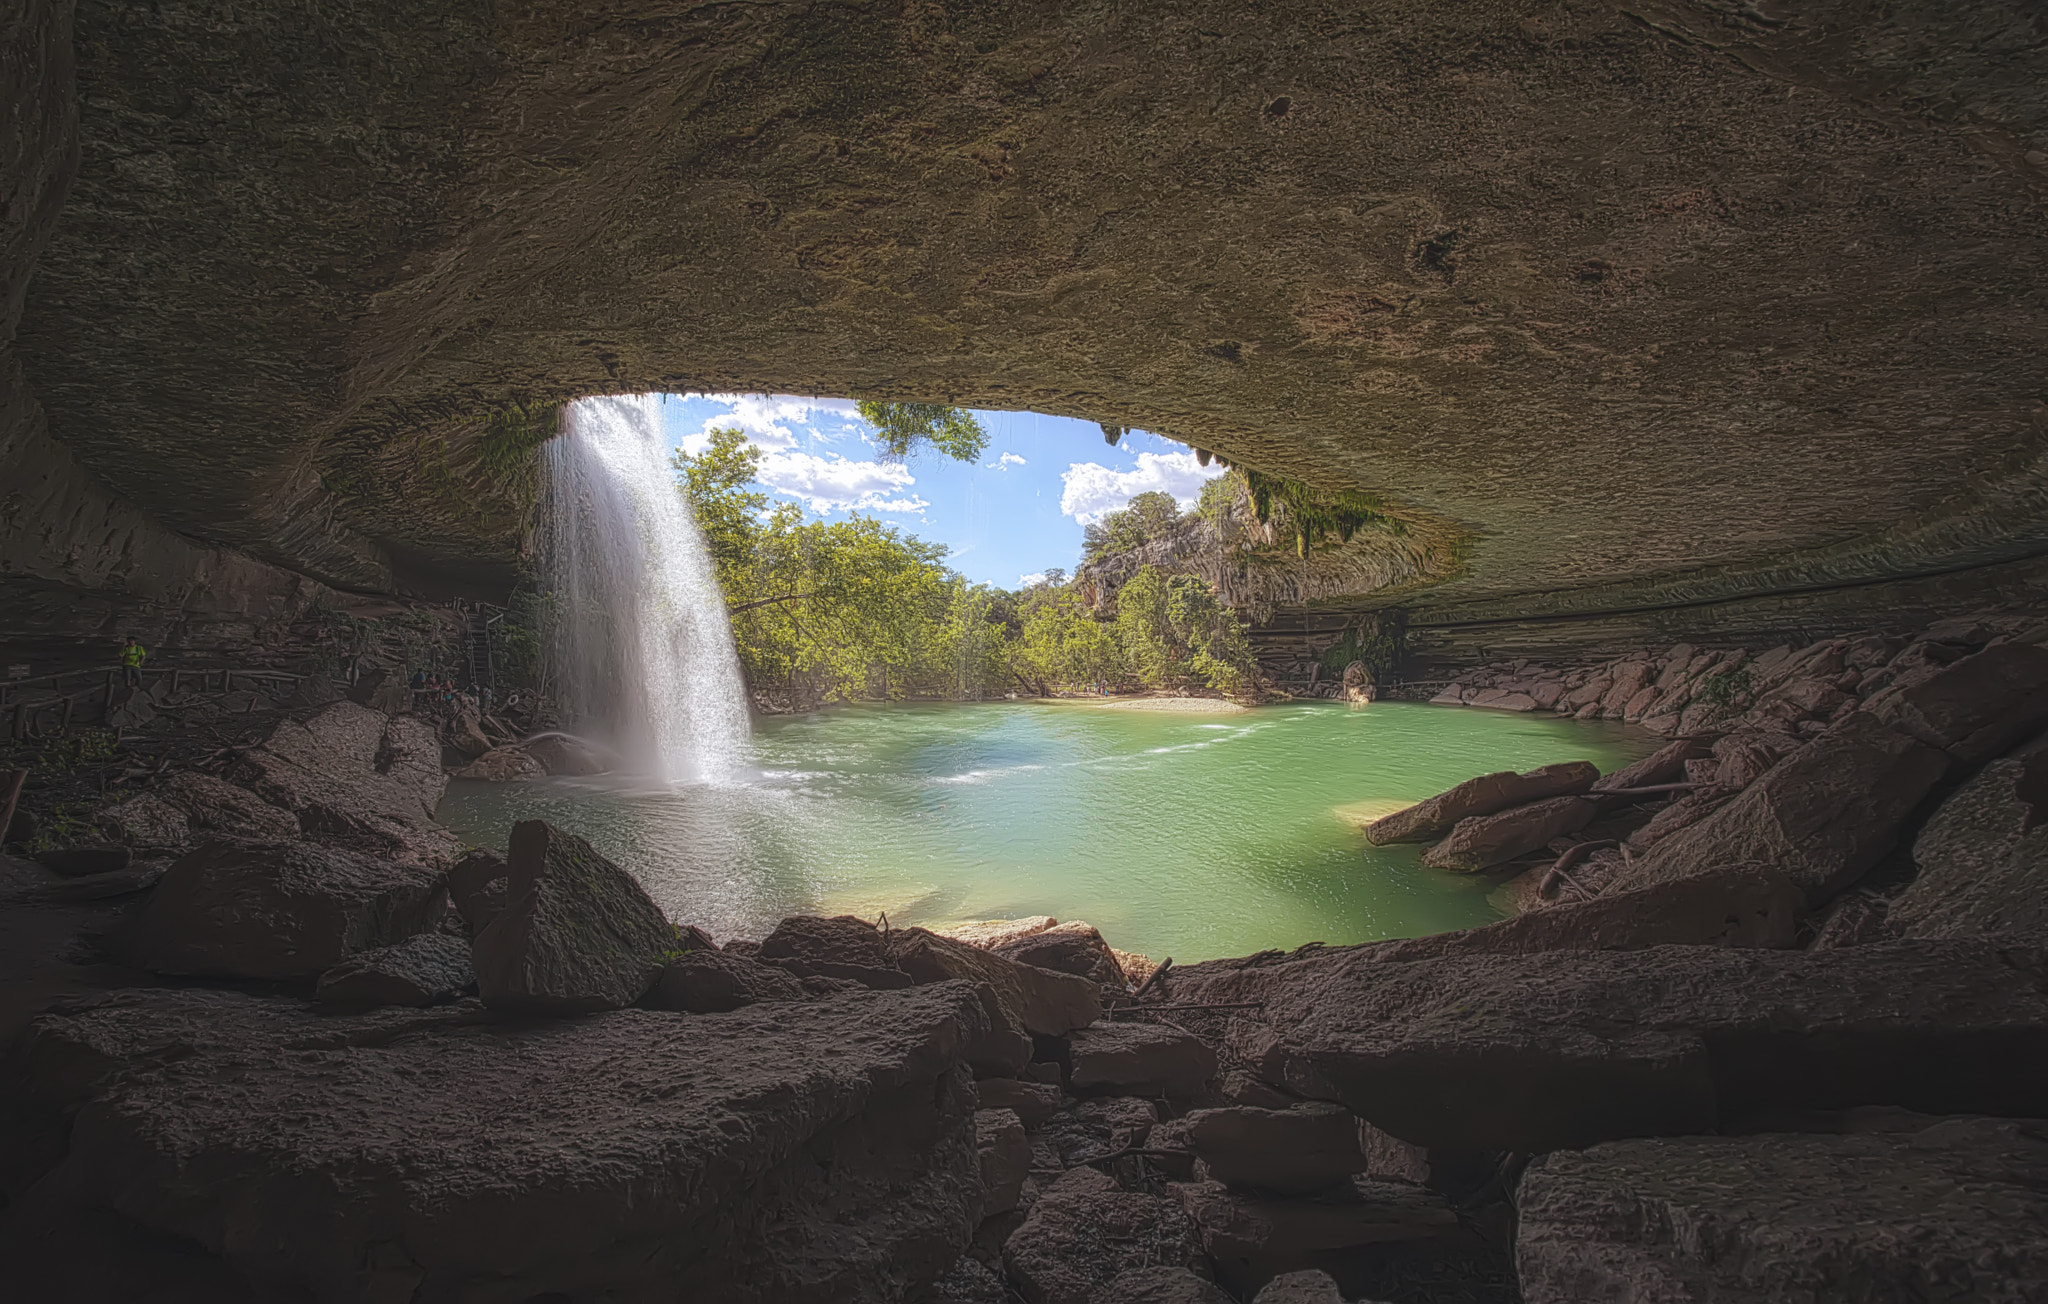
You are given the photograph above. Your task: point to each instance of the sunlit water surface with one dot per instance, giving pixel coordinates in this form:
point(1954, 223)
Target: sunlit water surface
point(1184, 835)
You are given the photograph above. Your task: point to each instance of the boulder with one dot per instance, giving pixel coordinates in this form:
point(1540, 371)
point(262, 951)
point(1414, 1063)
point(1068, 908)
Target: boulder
point(1046, 1002)
point(839, 947)
point(1982, 857)
point(712, 982)
point(1955, 1211)
point(476, 887)
point(1566, 1048)
point(1665, 765)
point(1852, 919)
point(991, 933)
point(216, 806)
point(430, 969)
point(286, 910)
point(1004, 1155)
point(969, 1281)
point(1253, 1238)
point(1073, 948)
point(1742, 759)
point(1159, 1285)
point(577, 932)
point(1139, 1059)
point(1309, 1286)
point(465, 733)
point(82, 862)
point(1484, 841)
point(1481, 796)
point(1739, 906)
point(147, 821)
point(1977, 708)
point(563, 755)
point(1822, 816)
point(1306, 1148)
point(438, 1155)
point(503, 765)
point(357, 778)
point(1683, 813)
point(1085, 1230)
point(1034, 1102)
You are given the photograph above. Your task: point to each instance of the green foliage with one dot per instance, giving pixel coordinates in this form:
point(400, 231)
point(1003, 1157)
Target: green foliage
point(1309, 515)
point(1380, 641)
point(1148, 516)
point(953, 431)
point(717, 482)
point(1060, 643)
point(1727, 691)
point(1176, 634)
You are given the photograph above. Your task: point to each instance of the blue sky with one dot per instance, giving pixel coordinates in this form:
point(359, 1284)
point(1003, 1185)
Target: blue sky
point(1007, 518)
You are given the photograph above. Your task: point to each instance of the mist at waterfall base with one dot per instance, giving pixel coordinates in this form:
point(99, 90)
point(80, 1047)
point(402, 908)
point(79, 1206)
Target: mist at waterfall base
point(640, 650)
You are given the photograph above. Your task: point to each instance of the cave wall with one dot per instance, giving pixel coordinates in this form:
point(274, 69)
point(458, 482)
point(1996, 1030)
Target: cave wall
point(1660, 306)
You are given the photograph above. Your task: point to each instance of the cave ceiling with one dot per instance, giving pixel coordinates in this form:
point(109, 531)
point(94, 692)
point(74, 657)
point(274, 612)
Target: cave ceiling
point(1626, 299)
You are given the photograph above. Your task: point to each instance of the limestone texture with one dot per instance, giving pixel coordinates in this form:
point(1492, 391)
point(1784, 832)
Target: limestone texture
point(1307, 1148)
point(282, 910)
point(1982, 858)
point(1047, 1003)
point(1004, 1156)
point(452, 1155)
point(1483, 841)
point(1537, 1052)
point(1255, 1237)
point(838, 947)
point(1140, 1059)
point(1160, 1285)
point(1085, 1230)
point(430, 969)
point(712, 982)
point(1073, 947)
point(1952, 1211)
point(577, 932)
point(1309, 1286)
point(355, 778)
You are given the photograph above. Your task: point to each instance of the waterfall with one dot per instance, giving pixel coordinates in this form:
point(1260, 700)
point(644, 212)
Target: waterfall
point(640, 650)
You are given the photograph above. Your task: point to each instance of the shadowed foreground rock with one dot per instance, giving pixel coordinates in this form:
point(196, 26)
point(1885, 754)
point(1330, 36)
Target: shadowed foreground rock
point(355, 778)
point(1085, 1230)
point(1983, 857)
point(812, 1151)
point(1539, 1052)
point(424, 970)
point(288, 910)
point(712, 982)
point(1957, 1211)
point(577, 932)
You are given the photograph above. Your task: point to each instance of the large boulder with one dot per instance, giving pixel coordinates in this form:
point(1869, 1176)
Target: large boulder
point(283, 910)
point(1481, 796)
point(1977, 708)
point(1253, 1237)
point(430, 969)
point(355, 777)
point(1139, 1059)
point(148, 823)
point(712, 982)
point(1665, 765)
point(1982, 857)
point(446, 1156)
point(216, 806)
point(561, 754)
point(1047, 1003)
point(837, 947)
point(1484, 841)
point(1309, 1147)
point(1957, 1210)
point(1073, 948)
point(1822, 816)
point(1556, 1049)
point(1743, 906)
point(503, 765)
point(577, 932)
point(1085, 1230)
point(476, 888)
point(1160, 1285)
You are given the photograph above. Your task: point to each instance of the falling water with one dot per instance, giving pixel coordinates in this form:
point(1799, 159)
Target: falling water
point(641, 648)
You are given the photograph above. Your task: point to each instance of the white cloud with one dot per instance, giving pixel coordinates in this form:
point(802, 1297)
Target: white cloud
point(765, 417)
point(835, 483)
point(1004, 462)
point(1031, 581)
point(1093, 491)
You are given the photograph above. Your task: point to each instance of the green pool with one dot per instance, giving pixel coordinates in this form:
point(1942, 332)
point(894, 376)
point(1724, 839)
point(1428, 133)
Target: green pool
point(1193, 836)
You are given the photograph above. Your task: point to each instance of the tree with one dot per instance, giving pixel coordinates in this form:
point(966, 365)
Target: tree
point(902, 426)
point(717, 482)
point(1147, 517)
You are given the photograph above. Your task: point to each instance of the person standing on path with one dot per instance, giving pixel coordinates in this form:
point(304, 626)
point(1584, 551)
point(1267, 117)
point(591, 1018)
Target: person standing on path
point(133, 654)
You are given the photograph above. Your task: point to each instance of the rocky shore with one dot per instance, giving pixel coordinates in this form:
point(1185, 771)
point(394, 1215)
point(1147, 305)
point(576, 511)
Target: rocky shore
point(1773, 1025)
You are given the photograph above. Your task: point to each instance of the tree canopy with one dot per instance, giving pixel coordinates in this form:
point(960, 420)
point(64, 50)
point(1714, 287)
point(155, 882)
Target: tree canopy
point(903, 426)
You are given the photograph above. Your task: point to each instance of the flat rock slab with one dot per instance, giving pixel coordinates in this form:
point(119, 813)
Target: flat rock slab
point(1072, 948)
point(1539, 1052)
point(1956, 1212)
point(286, 910)
point(1484, 841)
point(817, 1151)
point(712, 982)
point(1253, 1237)
point(1481, 796)
point(1306, 1148)
point(355, 777)
point(1044, 1002)
point(1139, 1059)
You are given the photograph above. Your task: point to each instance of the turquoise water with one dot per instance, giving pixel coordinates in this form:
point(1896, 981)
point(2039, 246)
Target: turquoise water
point(1194, 836)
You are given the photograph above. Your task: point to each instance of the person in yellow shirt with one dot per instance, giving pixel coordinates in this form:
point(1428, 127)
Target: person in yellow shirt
point(133, 654)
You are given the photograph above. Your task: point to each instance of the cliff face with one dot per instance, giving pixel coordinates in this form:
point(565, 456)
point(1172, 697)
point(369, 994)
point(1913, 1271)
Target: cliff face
point(1679, 303)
